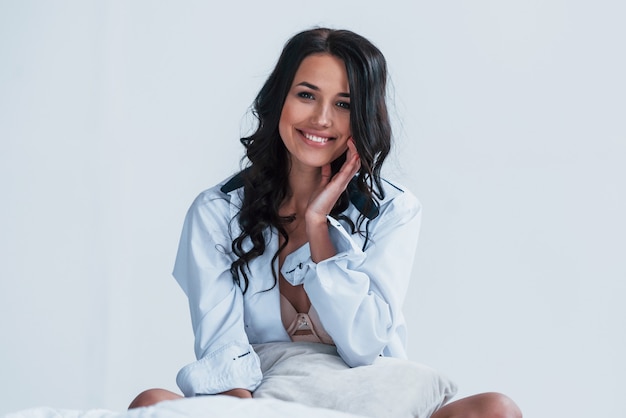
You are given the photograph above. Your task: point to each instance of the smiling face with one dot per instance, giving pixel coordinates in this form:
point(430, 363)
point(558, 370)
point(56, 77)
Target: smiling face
point(315, 120)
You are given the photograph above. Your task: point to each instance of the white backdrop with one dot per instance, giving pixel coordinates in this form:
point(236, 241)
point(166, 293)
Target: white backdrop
point(510, 128)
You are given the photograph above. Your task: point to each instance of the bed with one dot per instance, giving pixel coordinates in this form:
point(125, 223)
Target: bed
point(304, 380)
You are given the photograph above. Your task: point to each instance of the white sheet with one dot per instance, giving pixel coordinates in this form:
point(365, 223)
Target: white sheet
point(200, 407)
point(299, 380)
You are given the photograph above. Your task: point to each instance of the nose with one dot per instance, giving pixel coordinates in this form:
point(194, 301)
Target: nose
point(322, 116)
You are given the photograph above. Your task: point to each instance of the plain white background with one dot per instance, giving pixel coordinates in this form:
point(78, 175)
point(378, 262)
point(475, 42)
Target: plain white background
point(509, 123)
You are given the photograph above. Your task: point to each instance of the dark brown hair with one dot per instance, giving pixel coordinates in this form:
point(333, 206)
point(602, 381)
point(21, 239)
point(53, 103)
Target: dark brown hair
point(266, 177)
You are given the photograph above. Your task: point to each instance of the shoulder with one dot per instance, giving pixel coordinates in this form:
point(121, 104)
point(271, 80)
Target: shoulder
point(397, 204)
point(224, 192)
point(395, 191)
point(216, 203)
point(398, 201)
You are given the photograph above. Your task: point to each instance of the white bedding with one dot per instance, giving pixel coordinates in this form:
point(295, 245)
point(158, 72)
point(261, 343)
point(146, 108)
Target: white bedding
point(199, 407)
point(305, 380)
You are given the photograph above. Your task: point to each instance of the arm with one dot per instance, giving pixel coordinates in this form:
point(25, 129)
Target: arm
point(359, 294)
point(323, 201)
point(225, 358)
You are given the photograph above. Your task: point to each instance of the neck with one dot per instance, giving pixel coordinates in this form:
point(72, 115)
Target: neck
point(303, 182)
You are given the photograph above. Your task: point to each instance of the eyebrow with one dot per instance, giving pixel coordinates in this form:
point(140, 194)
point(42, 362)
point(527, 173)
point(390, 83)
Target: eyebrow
point(314, 87)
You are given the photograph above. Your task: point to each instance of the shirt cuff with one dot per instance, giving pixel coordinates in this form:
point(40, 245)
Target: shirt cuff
point(298, 265)
point(344, 244)
point(234, 365)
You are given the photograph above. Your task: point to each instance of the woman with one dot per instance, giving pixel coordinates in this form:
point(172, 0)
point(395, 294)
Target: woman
point(308, 243)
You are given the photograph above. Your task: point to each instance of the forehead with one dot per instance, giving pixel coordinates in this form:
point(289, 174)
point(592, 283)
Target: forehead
point(324, 71)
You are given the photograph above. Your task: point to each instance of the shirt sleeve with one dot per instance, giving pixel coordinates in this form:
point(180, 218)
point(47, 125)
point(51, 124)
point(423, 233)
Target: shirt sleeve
point(226, 360)
point(358, 294)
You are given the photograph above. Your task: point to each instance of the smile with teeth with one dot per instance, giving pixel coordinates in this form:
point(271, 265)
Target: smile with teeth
point(315, 138)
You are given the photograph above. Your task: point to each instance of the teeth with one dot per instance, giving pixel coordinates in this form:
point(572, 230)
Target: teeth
point(314, 138)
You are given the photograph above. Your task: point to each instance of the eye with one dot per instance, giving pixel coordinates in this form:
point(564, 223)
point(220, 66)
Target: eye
point(305, 95)
point(344, 105)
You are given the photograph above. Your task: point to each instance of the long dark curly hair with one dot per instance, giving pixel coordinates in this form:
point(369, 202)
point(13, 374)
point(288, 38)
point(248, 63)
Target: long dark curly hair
point(266, 176)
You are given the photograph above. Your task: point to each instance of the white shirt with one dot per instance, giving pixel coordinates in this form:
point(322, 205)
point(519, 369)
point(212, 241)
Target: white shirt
point(357, 294)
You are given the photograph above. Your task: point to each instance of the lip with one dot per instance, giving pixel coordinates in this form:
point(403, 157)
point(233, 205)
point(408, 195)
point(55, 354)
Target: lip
point(315, 138)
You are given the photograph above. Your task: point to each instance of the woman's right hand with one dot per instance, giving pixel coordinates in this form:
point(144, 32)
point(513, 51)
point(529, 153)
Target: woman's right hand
point(330, 188)
point(322, 202)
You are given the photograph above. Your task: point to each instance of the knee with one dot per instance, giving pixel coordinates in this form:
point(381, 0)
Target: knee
point(151, 397)
point(497, 405)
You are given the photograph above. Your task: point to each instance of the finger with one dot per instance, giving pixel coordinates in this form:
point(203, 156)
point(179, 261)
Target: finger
point(351, 149)
point(347, 172)
point(353, 160)
point(354, 166)
point(326, 174)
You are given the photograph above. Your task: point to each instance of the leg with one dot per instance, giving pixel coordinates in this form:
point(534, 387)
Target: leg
point(152, 396)
point(484, 405)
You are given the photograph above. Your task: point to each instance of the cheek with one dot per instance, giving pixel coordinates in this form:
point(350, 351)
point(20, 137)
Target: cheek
point(283, 122)
point(288, 116)
point(339, 151)
point(345, 125)
point(292, 110)
point(338, 154)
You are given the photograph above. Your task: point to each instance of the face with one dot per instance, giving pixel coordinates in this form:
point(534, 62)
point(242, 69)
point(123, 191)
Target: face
point(315, 120)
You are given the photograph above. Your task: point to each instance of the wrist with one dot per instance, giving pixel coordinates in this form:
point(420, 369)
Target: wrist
point(315, 219)
point(318, 236)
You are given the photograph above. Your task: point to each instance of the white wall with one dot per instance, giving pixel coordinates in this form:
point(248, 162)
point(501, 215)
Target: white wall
point(114, 115)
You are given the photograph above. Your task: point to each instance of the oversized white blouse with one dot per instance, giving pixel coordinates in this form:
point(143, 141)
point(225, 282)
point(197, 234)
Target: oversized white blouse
point(358, 294)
